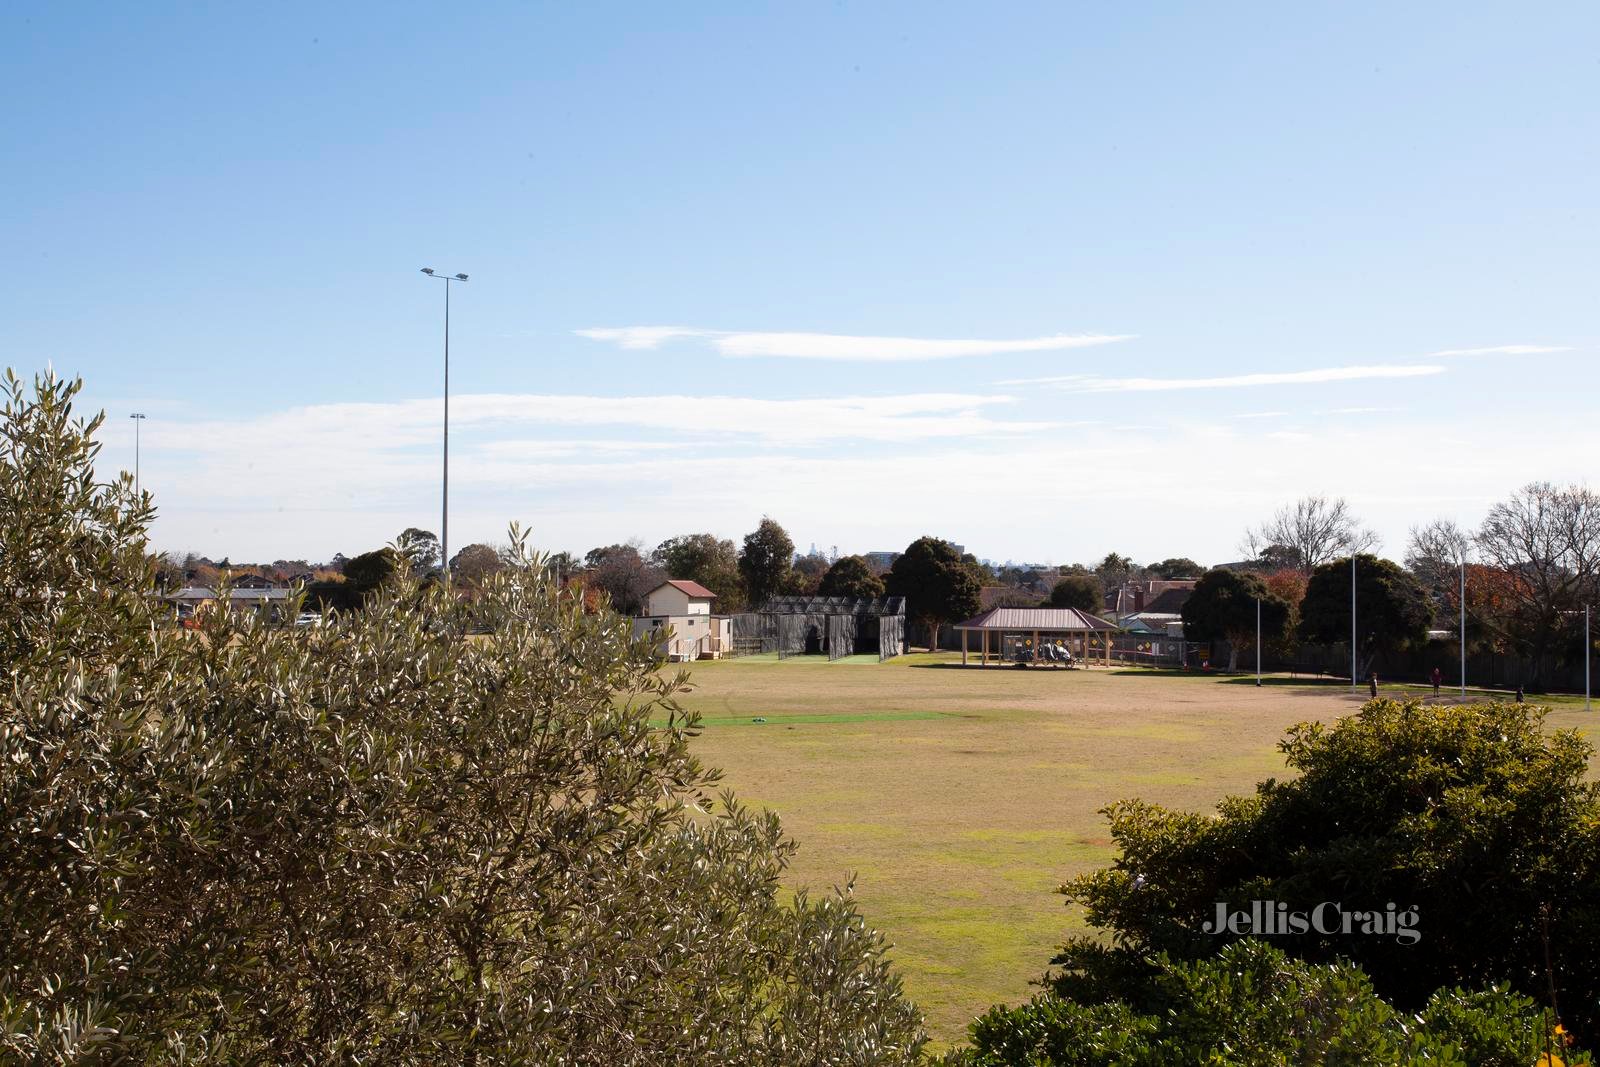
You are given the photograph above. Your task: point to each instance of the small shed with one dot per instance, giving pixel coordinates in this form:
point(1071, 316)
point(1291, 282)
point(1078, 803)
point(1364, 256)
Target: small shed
point(1087, 636)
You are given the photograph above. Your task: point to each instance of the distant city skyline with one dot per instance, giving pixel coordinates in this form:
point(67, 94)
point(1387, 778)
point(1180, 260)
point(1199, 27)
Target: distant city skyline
point(1046, 282)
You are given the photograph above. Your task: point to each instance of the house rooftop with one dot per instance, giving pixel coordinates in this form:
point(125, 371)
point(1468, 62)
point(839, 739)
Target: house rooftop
point(693, 589)
point(199, 592)
point(1055, 620)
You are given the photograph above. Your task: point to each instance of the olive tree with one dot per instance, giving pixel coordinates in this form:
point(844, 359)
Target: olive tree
point(375, 839)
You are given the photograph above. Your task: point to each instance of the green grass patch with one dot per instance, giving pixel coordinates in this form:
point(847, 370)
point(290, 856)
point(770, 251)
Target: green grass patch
point(959, 799)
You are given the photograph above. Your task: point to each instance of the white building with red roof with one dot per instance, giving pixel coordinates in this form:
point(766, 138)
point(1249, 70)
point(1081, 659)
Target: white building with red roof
point(680, 615)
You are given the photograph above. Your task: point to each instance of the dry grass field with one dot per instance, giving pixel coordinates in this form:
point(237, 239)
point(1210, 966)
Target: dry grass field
point(959, 799)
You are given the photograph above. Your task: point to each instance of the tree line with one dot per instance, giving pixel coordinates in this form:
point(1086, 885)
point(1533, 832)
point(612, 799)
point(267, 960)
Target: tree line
point(1529, 568)
point(1523, 578)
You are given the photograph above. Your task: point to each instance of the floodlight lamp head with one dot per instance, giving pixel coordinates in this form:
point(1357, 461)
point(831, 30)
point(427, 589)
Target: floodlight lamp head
point(461, 277)
point(427, 270)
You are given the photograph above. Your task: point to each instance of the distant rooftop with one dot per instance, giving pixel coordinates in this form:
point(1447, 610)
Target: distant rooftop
point(1056, 620)
point(694, 589)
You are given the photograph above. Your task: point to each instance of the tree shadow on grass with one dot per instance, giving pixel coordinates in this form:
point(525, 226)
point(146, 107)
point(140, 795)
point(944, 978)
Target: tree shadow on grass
point(993, 667)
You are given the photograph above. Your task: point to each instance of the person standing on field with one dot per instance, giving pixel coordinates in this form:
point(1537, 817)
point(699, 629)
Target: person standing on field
point(1436, 677)
point(1372, 684)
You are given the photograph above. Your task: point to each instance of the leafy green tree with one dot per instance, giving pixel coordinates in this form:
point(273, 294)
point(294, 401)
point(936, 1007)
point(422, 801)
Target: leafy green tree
point(420, 549)
point(474, 563)
point(985, 573)
point(372, 570)
point(1079, 591)
point(805, 577)
point(851, 576)
point(623, 574)
point(371, 840)
point(937, 585)
point(1253, 1004)
point(1177, 567)
point(1222, 606)
point(1115, 570)
point(707, 559)
point(1475, 816)
point(561, 565)
point(765, 562)
point(1392, 608)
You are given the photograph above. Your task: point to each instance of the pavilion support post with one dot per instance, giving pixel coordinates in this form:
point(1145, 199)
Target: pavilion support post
point(1106, 637)
point(1036, 646)
point(963, 648)
point(985, 647)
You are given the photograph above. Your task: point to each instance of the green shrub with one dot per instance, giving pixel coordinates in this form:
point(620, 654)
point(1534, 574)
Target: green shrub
point(1254, 1005)
point(374, 840)
point(1474, 815)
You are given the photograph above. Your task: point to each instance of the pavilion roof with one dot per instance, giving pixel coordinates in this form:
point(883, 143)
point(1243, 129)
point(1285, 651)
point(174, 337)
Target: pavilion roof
point(1054, 620)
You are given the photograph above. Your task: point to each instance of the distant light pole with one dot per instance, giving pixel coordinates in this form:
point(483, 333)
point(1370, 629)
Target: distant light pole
point(1463, 598)
point(137, 417)
point(444, 508)
point(1258, 640)
point(1352, 620)
point(1588, 655)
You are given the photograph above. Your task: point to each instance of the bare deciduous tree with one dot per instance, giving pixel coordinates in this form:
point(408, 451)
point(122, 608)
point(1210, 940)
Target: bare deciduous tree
point(1314, 529)
point(1434, 552)
point(1548, 539)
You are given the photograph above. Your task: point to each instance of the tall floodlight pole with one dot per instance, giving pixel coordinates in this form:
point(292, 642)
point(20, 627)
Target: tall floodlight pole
point(1462, 596)
point(444, 507)
point(1352, 621)
point(137, 417)
point(1588, 655)
point(1258, 640)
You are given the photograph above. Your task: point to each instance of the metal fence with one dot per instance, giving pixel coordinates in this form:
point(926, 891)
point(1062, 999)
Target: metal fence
point(831, 626)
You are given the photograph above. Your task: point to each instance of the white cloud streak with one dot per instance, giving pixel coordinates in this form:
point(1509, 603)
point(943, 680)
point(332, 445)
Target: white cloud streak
point(1501, 350)
point(640, 337)
point(359, 451)
point(839, 347)
point(1086, 384)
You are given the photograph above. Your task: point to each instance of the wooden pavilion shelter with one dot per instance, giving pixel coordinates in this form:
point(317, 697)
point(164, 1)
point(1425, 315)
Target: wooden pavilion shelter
point(1082, 632)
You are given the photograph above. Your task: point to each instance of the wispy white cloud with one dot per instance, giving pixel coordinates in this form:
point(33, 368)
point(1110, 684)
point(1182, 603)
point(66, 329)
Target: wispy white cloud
point(1502, 350)
point(864, 473)
point(833, 346)
point(364, 449)
point(1087, 384)
point(639, 337)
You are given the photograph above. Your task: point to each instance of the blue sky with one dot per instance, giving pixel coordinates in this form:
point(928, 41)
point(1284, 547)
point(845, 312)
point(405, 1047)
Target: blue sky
point(1200, 260)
